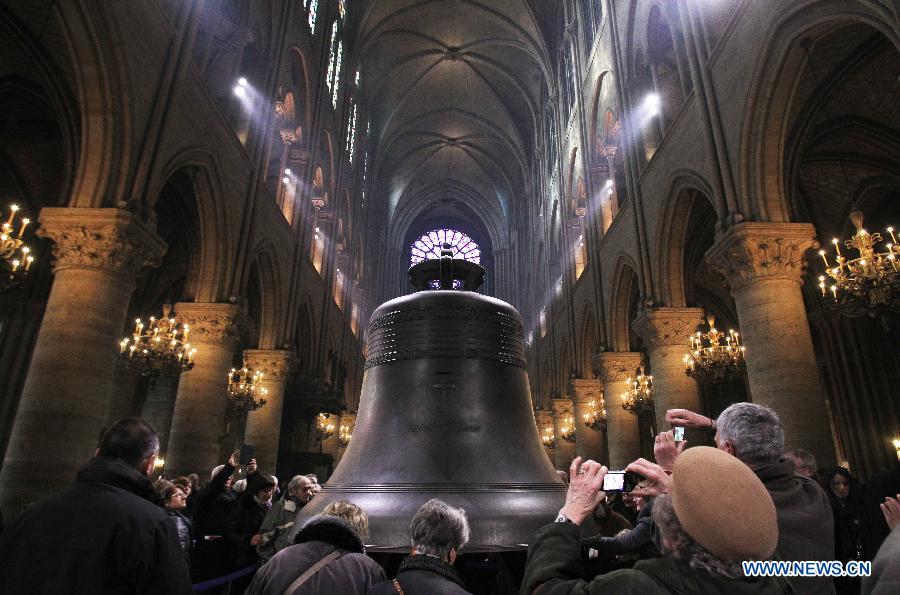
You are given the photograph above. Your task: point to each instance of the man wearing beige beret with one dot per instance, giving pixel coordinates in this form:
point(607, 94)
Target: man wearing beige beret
point(704, 539)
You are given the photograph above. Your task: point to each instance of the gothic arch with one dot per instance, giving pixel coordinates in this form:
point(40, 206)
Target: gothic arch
point(763, 191)
point(215, 245)
point(684, 188)
point(625, 289)
point(589, 341)
point(266, 266)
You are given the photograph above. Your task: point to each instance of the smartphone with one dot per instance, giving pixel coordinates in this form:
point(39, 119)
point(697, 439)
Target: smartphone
point(246, 454)
point(620, 481)
point(679, 433)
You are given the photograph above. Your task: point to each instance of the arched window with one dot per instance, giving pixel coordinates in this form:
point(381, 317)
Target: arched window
point(342, 8)
point(592, 13)
point(313, 7)
point(568, 80)
point(365, 179)
point(351, 124)
point(335, 57)
point(429, 246)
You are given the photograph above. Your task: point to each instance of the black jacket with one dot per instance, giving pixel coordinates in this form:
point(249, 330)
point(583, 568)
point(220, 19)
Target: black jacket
point(351, 574)
point(244, 521)
point(555, 566)
point(805, 521)
point(639, 540)
point(102, 535)
point(423, 575)
point(183, 527)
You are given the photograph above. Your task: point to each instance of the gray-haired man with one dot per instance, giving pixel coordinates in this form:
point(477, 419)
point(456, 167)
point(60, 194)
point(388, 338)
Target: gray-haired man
point(438, 531)
point(754, 435)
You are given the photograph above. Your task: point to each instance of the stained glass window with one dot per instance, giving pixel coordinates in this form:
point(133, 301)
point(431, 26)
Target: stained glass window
point(342, 8)
point(336, 56)
point(351, 132)
point(429, 246)
point(313, 6)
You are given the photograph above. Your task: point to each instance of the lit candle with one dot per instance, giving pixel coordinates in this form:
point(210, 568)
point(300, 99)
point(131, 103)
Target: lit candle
point(891, 231)
point(837, 246)
point(12, 213)
point(822, 254)
point(28, 262)
point(15, 265)
point(25, 223)
point(834, 291)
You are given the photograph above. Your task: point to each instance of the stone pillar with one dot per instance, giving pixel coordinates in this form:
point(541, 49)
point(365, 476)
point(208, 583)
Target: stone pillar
point(588, 442)
point(764, 265)
point(543, 419)
point(348, 420)
point(622, 428)
point(199, 418)
point(564, 452)
point(666, 333)
point(123, 401)
point(66, 393)
point(159, 407)
point(264, 425)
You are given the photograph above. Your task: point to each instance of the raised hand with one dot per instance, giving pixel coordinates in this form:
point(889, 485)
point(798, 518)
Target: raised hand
point(666, 450)
point(655, 482)
point(688, 419)
point(584, 492)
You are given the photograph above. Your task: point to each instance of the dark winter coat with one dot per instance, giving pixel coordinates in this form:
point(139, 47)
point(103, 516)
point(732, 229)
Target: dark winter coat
point(183, 527)
point(424, 575)
point(554, 565)
point(805, 521)
point(639, 540)
point(244, 521)
point(351, 574)
point(210, 558)
point(102, 535)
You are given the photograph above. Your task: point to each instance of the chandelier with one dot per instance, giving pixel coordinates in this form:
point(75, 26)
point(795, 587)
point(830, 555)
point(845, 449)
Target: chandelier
point(715, 356)
point(159, 348)
point(324, 427)
point(567, 430)
point(867, 283)
point(547, 438)
point(595, 418)
point(245, 390)
point(15, 256)
point(344, 435)
point(639, 396)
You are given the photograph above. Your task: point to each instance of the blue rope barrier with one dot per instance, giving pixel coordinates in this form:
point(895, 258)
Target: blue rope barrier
point(225, 579)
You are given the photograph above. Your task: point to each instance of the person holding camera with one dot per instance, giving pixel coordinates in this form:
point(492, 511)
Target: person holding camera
point(704, 541)
point(753, 434)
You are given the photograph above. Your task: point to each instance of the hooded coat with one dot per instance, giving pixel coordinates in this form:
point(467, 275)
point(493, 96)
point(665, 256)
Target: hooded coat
point(351, 574)
point(102, 535)
point(554, 568)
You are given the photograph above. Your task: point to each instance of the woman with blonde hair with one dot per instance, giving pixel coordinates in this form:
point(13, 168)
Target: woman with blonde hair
point(328, 556)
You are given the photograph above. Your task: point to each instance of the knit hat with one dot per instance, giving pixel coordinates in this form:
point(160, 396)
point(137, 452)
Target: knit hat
point(723, 505)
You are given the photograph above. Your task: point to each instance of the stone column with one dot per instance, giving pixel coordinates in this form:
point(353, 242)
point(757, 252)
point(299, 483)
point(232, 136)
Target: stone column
point(544, 419)
point(199, 418)
point(666, 333)
point(348, 420)
point(66, 393)
point(123, 400)
point(588, 442)
point(764, 265)
point(159, 407)
point(621, 427)
point(564, 452)
point(264, 425)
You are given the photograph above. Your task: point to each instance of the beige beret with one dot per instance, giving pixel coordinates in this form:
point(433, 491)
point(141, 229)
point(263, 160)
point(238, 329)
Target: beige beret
point(723, 505)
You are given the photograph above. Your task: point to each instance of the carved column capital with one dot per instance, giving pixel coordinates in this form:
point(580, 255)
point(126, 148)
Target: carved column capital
point(275, 364)
point(212, 322)
point(752, 251)
point(616, 366)
point(113, 240)
point(562, 408)
point(663, 327)
point(585, 390)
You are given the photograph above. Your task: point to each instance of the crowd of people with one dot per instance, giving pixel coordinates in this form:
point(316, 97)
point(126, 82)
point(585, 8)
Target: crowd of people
point(694, 517)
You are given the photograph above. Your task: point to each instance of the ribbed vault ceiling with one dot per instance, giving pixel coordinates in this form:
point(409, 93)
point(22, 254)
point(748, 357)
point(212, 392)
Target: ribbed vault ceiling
point(453, 90)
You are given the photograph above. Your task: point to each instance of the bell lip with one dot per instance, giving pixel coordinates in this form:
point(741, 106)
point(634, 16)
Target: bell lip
point(443, 295)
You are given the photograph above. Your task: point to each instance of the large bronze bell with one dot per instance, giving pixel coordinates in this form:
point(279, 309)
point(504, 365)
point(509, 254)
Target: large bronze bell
point(445, 412)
